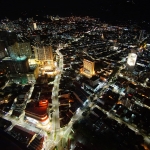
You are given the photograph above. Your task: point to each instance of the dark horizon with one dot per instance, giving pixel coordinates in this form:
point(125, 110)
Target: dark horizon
point(106, 10)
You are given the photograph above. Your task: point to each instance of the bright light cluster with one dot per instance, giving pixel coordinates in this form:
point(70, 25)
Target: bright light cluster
point(131, 59)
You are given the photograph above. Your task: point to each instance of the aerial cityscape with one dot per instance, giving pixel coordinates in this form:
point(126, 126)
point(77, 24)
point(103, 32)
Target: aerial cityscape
point(74, 82)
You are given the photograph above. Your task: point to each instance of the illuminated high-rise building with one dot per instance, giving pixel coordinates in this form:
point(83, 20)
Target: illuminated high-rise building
point(45, 56)
point(20, 49)
point(25, 49)
point(48, 53)
point(131, 61)
point(88, 68)
point(34, 26)
point(43, 53)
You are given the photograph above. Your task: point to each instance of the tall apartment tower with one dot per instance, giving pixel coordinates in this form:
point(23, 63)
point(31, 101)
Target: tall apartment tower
point(34, 26)
point(48, 53)
point(45, 56)
point(43, 53)
point(25, 49)
point(131, 61)
point(88, 68)
point(20, 49)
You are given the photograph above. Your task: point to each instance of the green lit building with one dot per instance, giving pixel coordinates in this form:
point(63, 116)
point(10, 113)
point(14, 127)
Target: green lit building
point(16, 65)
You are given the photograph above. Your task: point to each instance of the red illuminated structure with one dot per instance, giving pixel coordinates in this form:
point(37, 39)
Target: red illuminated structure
point(37, 112)
point(43, 103)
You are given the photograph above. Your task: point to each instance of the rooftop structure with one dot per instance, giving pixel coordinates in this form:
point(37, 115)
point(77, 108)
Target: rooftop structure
point(36, 112)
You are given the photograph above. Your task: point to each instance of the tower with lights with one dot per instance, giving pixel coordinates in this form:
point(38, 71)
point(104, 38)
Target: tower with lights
point(88, 68)
point(131, 61)
point(46, 60)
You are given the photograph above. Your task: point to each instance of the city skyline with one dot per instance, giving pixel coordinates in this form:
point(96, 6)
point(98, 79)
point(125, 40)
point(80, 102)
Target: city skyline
point(74, 83)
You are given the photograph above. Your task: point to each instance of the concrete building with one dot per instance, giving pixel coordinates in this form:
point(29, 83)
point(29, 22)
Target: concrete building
point(92, 85)
point(36, 112)
point(88, 68)
point(131, 61)
point(34, 26)
point(18, 65)
point(20, 49)
point(45, 56)
point(43, 53)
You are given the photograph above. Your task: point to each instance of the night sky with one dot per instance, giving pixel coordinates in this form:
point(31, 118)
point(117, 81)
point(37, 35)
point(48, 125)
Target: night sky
point(104, 9)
